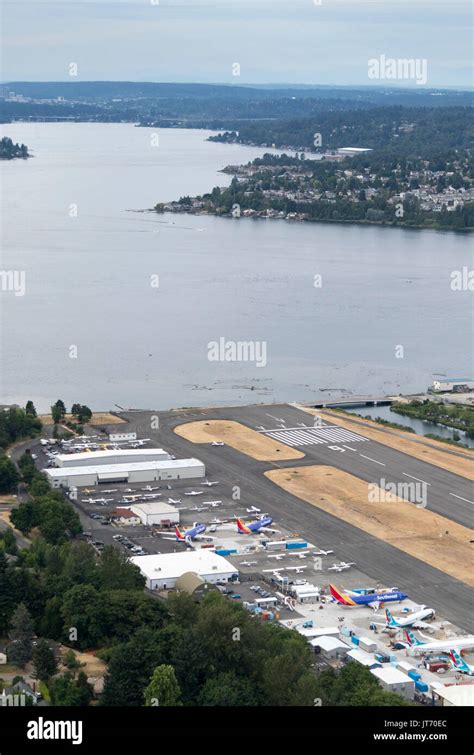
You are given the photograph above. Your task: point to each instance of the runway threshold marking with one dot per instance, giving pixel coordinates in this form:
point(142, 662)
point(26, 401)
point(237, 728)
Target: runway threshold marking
point(374, 460)
point(461, 498)
point(416, 478)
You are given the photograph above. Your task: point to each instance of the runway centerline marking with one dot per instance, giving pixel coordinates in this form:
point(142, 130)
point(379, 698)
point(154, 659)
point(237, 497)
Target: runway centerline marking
point(374, 460)
point(416, 478)
point(461, 498)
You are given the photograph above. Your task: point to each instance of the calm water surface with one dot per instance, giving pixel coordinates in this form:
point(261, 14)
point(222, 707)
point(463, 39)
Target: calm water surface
point(92, 327)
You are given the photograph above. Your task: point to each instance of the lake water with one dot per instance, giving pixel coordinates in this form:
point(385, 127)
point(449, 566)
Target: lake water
point(421, 427)
point(94, 327)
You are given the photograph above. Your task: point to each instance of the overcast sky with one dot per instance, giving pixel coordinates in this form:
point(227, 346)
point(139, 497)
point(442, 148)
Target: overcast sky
point(273, 41)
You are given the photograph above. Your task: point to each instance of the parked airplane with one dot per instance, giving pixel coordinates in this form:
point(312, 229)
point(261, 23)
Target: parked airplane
point(217, 443)
point(151, 495)
point(341, 566)
point(111, 490)
point(210, 484)
point(195, 492)
point(248, 563)
point(253, 510)
point(413, 618)
point(460, 664)
point(375, 600)
point(89, 490)
point(433, 646)
point(103, 501)
point(172, 500)
point(321, 553)
point(149, 487)
point(211, 503)
point(276, 557)
point(87, 500)
point(193, 534)
point(249, 529)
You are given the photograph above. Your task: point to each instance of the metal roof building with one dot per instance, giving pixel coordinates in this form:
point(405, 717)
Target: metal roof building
point(149, 471)
point(393, 680)
point(119, 456)
point(155, 512)
point(163, 570)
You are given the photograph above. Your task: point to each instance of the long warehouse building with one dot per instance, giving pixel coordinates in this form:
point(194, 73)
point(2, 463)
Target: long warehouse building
point(118, 456)
point(149, 471)
point(162, 570)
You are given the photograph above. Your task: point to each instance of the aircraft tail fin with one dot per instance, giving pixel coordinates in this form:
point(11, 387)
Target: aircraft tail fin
point(411, 639)
point(458, 662)
point(179, 534)
point(241, 527)
point(341, 597)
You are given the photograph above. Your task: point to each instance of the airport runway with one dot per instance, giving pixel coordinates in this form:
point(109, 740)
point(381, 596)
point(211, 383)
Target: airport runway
point(370, 461)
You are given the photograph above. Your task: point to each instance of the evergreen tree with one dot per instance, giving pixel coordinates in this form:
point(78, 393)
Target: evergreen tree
point(44, 661)
point(21, 635)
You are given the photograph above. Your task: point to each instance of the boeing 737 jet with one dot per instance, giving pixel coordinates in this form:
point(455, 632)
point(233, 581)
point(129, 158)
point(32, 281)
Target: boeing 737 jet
point(374, 600)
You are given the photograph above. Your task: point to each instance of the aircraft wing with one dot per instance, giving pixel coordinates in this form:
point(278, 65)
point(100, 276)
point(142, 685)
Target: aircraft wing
point(375, 605)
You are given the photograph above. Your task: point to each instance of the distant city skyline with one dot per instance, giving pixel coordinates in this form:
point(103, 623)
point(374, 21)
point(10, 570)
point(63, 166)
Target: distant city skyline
point(237, 41)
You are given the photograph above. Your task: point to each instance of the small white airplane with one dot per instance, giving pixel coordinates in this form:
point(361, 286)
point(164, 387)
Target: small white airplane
point(211, 503)
point(217, 443)
point(151, 495)
point(276, 557)
point(174, 500)
point(321, 553)
point(302, 555)
point(87, 500)
point(195, 492)
point(132, 497)
point(103, 501)
point(341, 566)
point(210, 484)
point(89, 490)
point(149, 487)
point(197, 508)
point(248, 563)
point(110, 490)
point(253, 510)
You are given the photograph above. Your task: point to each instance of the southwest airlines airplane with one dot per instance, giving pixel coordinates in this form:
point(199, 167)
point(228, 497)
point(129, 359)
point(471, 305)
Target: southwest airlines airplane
point(192, 534)
point(374, 600)
point(249, 529)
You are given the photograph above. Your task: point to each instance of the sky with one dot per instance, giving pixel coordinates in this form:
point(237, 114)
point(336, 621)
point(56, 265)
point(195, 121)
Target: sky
point(272, 41)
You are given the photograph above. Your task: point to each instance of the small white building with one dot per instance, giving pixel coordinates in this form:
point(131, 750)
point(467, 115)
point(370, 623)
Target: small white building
point(393, 680)
point(366, 659)
point(146, 471)
point(114, 437)
point(3, 655)
point(305, 593)
point(120, 456)
point(124, 516)
point(460, 695)
point(162, 570)
point(156, 512)
point(312, 632)
point(330, 648)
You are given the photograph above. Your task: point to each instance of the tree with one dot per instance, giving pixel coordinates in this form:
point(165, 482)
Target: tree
point(8, 475)
point(58, 411)
point(71, 662)
point(6, 598)
point(64, 690)
point(228, 689)
point(30, 409)
point(21, 635)
point(44, 661)
point(163, 689)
